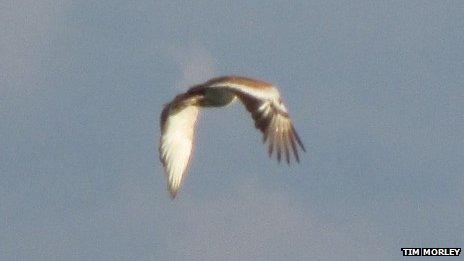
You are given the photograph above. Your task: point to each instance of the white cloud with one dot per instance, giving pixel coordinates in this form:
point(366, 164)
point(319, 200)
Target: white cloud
point(195, 63)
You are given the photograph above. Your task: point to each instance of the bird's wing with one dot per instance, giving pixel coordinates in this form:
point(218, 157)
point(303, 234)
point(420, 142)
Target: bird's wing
point(276, 126)
point(177, 133)
point(264, 103)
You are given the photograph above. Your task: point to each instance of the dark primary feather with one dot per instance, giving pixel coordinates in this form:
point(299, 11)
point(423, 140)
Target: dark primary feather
point(276, 127)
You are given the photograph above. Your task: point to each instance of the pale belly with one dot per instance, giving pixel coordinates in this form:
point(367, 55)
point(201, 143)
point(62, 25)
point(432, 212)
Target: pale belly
point(218, 98)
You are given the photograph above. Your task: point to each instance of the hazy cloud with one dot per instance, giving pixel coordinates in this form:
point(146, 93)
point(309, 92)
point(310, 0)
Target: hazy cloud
point(375, 90)
point(194, 61)
point(26, 35)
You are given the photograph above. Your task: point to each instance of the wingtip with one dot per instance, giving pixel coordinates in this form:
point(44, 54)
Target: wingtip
point(172, 192)
point(298, 139)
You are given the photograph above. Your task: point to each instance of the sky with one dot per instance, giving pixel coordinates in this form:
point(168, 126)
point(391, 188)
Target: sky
point(375, 90)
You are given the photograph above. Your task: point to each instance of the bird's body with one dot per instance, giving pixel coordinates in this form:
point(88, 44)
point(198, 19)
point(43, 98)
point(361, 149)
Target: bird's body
point(216, 97)
point(179, 117)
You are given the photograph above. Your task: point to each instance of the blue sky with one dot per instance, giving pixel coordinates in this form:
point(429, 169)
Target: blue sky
point(375, 89)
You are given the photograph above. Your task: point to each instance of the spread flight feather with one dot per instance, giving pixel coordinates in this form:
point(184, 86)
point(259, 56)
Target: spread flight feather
point(261, 99)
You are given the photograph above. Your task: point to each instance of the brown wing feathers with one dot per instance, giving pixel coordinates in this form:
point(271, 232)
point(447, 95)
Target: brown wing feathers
point(276, 127)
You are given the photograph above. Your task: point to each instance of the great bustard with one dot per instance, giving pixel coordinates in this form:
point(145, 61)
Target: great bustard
point(260, 98)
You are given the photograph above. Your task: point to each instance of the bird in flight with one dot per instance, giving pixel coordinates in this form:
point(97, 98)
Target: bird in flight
point(260, 98)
